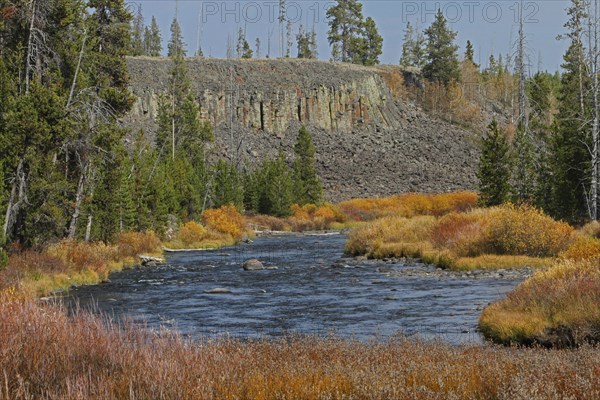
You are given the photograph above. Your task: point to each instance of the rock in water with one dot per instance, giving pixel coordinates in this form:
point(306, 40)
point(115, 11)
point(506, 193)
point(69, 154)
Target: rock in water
point(253, 265)
point(218, 291)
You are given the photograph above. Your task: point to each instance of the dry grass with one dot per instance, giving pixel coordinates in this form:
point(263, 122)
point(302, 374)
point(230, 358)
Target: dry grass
point(45, 354)
point(559, 306)
point(481, 238)
point(68, 263)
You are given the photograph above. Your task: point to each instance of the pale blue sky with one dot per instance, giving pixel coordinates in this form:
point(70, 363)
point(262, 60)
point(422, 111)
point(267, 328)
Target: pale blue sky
point(490, 25)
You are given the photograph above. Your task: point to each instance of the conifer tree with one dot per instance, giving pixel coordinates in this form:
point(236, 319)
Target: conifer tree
point(152, 39)
point(137, 34)
point(442, 60)
point(246, 50)
point(408, 43)
point(277, 195)
point(494, 167)
point(176, 46)
point(345, 26)
point(227, 185)
point(307, 185)
point(470, 53)
point(370, 46)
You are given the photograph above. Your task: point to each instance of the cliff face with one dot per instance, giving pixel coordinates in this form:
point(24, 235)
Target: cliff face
point(369, 142)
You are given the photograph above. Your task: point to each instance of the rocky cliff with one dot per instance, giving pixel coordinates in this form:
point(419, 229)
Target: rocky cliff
point(370, 141)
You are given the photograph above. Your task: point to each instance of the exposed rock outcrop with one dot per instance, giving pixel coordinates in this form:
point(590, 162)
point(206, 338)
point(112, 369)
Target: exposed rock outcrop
point(369, 142)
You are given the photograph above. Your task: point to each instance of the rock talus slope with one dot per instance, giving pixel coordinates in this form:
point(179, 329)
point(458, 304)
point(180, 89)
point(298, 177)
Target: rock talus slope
point(370, 141)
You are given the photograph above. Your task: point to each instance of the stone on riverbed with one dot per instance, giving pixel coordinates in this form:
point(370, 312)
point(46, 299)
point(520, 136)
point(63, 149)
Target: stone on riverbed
point(253, 265)
point(218, 291)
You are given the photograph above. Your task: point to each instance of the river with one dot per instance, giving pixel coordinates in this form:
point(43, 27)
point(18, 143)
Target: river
point(313, 290)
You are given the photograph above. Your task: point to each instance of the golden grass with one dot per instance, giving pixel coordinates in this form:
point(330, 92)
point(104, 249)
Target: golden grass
point(46, 354)
point(559, 306)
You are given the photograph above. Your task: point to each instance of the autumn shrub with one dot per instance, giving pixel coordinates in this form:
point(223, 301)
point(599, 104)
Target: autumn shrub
point(380, 236)
point(132, 244)
point(462, 233)
point(407, 205)
point(559, 306)
point(191, 232)
point(226, 219)
point(525, 230)
point(591, 229)
point(312, 217)
point(80, 255)
point(268, 222)
point(582, 248)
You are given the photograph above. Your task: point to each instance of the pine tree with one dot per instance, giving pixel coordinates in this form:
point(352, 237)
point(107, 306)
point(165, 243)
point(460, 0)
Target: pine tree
point(152, 40)
point(137, 34)
point(523, 175)
point(277, 196)
point(227, 185)
point(442, 60)
point(408, 43)
point(369, 48)
point(470, 53)
point(345, 26)
point(176, 46)
point(127, 208)
point(303, 43)
point(494, 167)
point(246, 50)
point(569, 156)
point(307, 185)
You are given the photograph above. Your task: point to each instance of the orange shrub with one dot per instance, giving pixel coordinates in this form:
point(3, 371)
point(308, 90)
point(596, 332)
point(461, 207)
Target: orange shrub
point(226, 219)
point(132, 244)
point(461, 233)
point(191, 232)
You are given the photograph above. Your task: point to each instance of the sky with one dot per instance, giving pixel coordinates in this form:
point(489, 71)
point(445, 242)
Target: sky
point(491, 26)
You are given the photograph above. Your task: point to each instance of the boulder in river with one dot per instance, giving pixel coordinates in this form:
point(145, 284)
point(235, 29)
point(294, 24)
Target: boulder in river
point(218, 291)
point(253, 265)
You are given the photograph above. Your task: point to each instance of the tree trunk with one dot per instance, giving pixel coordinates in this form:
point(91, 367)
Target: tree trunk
point(29, 47)
point(18, 191)
point(78, 201)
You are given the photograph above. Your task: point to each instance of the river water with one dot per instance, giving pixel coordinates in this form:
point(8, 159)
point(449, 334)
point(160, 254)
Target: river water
point(314, 290)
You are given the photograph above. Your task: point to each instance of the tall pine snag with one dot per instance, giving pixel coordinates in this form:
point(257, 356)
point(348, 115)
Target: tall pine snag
point(494, 167)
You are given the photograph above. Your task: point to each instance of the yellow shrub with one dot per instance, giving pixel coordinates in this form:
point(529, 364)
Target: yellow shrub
point(524, 230)
point(191, 232)
point(582, 248)
point(226, 219)
point(131, 244)
point(591, 229)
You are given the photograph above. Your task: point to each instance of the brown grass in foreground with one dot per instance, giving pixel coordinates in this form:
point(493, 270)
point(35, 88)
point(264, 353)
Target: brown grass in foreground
point(45, 354)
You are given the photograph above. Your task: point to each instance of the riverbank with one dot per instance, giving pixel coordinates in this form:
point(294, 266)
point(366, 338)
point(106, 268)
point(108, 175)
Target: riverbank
point(47, 354)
